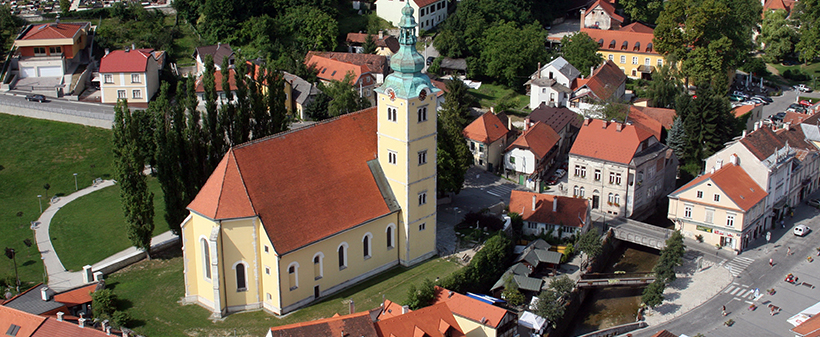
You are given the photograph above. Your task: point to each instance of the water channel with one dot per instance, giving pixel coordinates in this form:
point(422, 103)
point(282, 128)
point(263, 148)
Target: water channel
point(608, 307)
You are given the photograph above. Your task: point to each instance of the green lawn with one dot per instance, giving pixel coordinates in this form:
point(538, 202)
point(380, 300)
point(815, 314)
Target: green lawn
point(490, 95)
point(149, 291)
point(812, 69)
point(92, 228)
point(37, 152)
point(183, 47)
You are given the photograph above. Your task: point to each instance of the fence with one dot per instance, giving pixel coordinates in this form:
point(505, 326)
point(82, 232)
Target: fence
point(57, 113)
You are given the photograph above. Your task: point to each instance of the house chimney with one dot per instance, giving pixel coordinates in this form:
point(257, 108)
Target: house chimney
point(733, 159)
point(60, 316)
point(591, 71)
point(44, 293)
point(133, 47)
point(757, 125)
point(405, 309)
point(744, 134)
point(108, 330)
point(619, 126)
point(583, 15)
point(352, 307)
point(381, 35)
point(57, 21)
point(107, 51)
point(126, 332)
point(218, 45)
point(82, 322)
point(104, 324)
point(605, 124)
point(450, 294)
point(533, 202)
point(786, 126)
point(587, 121)
point(538, 72)
point(555, 204)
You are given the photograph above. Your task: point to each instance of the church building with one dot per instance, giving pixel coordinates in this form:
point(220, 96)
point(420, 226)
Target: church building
point(286, 220)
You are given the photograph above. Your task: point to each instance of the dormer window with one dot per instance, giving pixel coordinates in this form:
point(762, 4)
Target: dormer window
point(612, 44)
point(649, 47)
point(637, 46)
point(600, 43)
point(625, 45)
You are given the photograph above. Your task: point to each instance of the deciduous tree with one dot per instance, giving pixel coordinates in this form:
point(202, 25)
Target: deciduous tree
point(581, 52)
point(664, 87)
point(777, 35)
point(645, 11)
point(511, 294)
point(590, 244)
point(512, 68)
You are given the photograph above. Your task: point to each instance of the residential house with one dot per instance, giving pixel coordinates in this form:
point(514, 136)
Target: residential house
point(487, 138)
point(662, 115)
point(377, 65)
point(601, 15)
point(477, 318)
point(42, 300)
point(386, 45)
point(18, 323)
point(724, 207)
point(530, 156)
point(436, 320)
point(218, 53)
point(564, 121)
point(132, 75)
point(222, 96)
point(773, 5)
point(330, 69)
point(631, 48)
point(46, 55)
point(551, 84)
point(563, 217)
point(606, 84)
point(244, 249)
point(536, 261)
point(748, 115)
point(428, 13)
point(807, 325)
point(451, 66)
point(304, 93)
point(806, 171)
point(624, 163)
point(769, 161)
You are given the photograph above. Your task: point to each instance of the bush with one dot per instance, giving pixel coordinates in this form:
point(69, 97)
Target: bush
point(422, 296)
point(120, 319)
point(484, 269)
point(796, 75)
point(103, 303)
point(569, 252)
point(435, 67)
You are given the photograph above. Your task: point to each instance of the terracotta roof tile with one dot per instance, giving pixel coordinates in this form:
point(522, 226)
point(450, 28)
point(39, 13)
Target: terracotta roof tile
point(795, 137)
point(637, 27)
point(808, 328)
point(645, 122)
point(26, 322)
point(390, 309)
point(621, 36)
point(77, 296)
point(556, 117)
point(778, 4)
point(734, 182)
point(486, 129)
point(795, 118)
point(662, 115)
point(200, 85)
point(423, 3)
point(358, 324)
point(253, 179)
point(374, 63)
point(762, 143)
point(571, 211)
point(120, 61)
point(602, 140)
point(54, 328)
point(470, 308)
point(330, 69)
point(54, 31)
point(608, 8)
point(426, 321)
point(389, 41)
point(604, 81)
point(664, 333)
point(539, 139)
point(742, 110)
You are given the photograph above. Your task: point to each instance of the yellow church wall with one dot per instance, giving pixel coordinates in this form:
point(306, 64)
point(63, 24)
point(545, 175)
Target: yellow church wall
point(239, 245)
point(269, 281)
point(418, 171)
point(199, 288)
point(297, 289)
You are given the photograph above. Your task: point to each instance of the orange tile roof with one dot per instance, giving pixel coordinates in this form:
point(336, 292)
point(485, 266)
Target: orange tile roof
point(619, 37)
point(132, 61)
point(423, 3)
point(662, 115)
point(53, 31)
point(762, 143)
point(391, 309)
point(601, 140)
point(608, 8)
point(637, 27)
point(795, 118)
point(28, 323)
point(77, 296)
point(734, 182)
point(742, 110)
point(539, 139)
point(486, 129)
point(388, 41)
point(293, 195)
point(808, 328)
point(358, 324)
point(664, 333)
point(778, 4)
point(571, 211)
point(374, 63)
point(604, 81)
point(335, 70)
point(54, 328)
point(200, 84)
point(471, 308)
point(432, 321)
point(645, 122)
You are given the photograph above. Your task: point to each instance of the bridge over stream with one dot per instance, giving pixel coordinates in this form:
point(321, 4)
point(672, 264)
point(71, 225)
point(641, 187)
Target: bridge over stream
point(605, 280)
point(640, 233)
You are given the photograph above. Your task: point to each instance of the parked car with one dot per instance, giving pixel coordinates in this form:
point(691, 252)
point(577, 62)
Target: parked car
point(778, 117)
point(430, 60)
point(802, 88)
point(814, 203)
point(35, 97)
point(801, 230)
point(557, 175)
point(765, 98)
point(741, 94)
point(805, 103)
point(736, 98)
point(758, 100)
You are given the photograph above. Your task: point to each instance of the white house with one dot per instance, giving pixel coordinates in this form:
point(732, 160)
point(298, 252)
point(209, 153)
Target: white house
point(428, 13)
point(551, 84)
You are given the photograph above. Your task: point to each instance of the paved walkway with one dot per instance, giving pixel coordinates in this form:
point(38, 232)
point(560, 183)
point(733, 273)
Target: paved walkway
point(58, 277)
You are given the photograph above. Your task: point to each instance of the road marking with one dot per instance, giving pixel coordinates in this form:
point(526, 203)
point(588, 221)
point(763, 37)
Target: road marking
point(501, 190)
point(738, 265)
point(729, 289)
point(734, 291)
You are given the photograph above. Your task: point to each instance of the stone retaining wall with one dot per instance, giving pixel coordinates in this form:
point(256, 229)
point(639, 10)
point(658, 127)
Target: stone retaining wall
point(56, 114)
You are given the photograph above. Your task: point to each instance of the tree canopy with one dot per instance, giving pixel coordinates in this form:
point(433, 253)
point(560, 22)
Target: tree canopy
point(777, 35)
point(581, 52)
point(708, 124)
point(646, 11)
point(512, 68)
point(807, 14)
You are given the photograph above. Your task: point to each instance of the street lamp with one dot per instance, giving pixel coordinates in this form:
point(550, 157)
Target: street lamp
point(75, 182)
point(40, 200)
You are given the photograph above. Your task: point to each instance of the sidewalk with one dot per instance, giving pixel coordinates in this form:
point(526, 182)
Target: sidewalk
point(58, 278)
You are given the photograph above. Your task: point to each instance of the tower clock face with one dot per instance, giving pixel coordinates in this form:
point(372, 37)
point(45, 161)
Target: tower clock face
point(423, 94)
point(391, 94)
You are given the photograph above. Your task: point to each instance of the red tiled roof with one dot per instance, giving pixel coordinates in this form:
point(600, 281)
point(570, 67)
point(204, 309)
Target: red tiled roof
point(358, 324)
point(810, 327)
point(620, 36)
point(53, 31)
point(77, 296)
point(200, 84)
point(335, 70)
point(539, 138)
point(645, 122)
point(794, 118)
point(778, 4)
point(637, 27)
point(441, 86)
point(571, 211)
point(432, 321)
point(762, 143)
point(28, 323)
point(608, 8)
point(54, 328)
point(120, 61)
point(662, 115)
point(374, 63)
point(735, 182)
point(387, 40)
point(422, 3)
point(470, 308)
point(664, 333)
point(252, 179)
point(601, 140)
point(795, 137)
point(486, 129)
point(604, 81)
point(742, 110)
point(391, 309)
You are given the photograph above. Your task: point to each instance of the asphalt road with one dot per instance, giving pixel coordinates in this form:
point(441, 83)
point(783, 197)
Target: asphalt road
point(57, 105)
point(782, 102)
point(752, 271)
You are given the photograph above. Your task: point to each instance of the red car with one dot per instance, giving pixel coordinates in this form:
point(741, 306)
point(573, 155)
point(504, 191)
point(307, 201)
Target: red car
point(805, 103)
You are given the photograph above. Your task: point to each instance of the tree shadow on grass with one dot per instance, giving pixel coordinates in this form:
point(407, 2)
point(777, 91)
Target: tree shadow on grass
point(27, 263)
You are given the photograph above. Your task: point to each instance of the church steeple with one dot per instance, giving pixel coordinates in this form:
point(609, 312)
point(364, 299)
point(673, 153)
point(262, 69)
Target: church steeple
point(407, 80)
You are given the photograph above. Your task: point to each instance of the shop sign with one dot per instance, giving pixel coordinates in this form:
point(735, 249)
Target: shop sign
point(704, 229)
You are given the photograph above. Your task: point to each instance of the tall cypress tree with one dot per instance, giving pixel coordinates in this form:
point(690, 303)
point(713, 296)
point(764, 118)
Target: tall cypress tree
point(259, 111)
point(214, 131)
point(279, 120)
point(170, 156)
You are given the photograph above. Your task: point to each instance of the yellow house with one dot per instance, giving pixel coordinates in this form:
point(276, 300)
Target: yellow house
point(631, 48)
point(477, 318)
point(724, 207)
point(297, 216)
point(132, 75)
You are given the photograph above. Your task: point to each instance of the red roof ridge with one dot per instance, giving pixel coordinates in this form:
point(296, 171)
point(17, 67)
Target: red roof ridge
point(244, 186)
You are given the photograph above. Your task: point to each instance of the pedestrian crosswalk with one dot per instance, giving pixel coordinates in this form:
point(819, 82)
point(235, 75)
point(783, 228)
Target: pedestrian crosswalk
point(740, 291)
point(502, 190)
point(738, 265)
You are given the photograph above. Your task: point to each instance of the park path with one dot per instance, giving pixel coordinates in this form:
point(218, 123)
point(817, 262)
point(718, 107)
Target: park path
point(59, 278)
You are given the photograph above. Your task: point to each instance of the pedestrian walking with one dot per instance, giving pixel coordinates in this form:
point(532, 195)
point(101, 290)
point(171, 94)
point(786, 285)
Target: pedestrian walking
point(771, 263)
point(723, 310)
point(789, 252)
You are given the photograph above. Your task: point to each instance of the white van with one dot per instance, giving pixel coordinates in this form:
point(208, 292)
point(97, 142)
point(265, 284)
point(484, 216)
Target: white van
point(801, 230)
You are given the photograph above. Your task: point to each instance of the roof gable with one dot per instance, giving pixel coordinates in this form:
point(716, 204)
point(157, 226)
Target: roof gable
point(563, 67)
point(61, 30)
point(601, 140)
point(126, 61)
point(570, 211)
point(643, 121)
point(486, 129)
point(607, 7)
point(217, 51)
point(734, 182)
point(334, 70)
point(358, 324)
point(637, 27)
point(386, 41)
point(427, 321)
point(539, 138)
point(470, 308)
point(556, 117)
point(374, 63)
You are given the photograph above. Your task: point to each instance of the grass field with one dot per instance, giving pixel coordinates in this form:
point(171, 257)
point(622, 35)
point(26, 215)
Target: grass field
point(812, 69)
point(149, 291)
point(37, 152)
point(92, 228)
point(490, 95)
